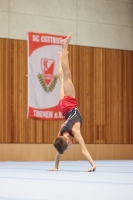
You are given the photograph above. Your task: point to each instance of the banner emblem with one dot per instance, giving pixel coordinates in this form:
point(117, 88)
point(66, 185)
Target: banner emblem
point(47, 79)
point(47, 67)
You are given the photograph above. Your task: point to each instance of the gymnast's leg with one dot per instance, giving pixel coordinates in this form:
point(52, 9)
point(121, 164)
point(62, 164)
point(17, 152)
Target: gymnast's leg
point(68, 86)
point(60, 75)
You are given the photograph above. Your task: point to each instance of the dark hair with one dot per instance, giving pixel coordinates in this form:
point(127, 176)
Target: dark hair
point(60, 144)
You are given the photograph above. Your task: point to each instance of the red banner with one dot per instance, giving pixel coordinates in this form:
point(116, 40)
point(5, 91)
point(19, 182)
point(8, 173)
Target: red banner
point(43, 83)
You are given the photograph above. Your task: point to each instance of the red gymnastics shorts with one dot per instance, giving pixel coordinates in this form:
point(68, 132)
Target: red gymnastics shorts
point(66, 104)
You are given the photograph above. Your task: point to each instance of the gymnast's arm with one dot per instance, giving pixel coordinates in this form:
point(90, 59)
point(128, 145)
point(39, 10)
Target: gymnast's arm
point(80, 140)
point(57, 160)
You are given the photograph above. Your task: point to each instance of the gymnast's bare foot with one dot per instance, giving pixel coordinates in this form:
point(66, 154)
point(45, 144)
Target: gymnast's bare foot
point(67, 39)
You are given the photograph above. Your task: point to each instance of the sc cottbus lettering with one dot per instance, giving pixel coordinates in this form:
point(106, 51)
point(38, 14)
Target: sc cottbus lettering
point(35, 38)
point(50, 39)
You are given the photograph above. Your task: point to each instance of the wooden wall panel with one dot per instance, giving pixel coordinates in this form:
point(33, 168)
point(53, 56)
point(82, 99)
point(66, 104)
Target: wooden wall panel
point(40, 152)
point(103, 80)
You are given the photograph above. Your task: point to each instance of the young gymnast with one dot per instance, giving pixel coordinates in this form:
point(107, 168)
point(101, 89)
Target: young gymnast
point(69, 108)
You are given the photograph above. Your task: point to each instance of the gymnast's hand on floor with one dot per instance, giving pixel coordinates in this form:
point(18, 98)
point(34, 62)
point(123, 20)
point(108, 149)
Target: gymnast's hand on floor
point(92, 169)
point(54, 169)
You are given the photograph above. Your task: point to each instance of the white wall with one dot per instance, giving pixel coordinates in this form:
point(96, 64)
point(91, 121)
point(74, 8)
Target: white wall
point(97, 23)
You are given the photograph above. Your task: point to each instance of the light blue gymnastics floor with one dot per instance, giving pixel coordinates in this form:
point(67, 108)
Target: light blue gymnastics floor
point(113, 180)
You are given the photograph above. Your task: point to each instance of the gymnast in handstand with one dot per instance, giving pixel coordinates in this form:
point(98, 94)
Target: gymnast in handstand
point(69, 108)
